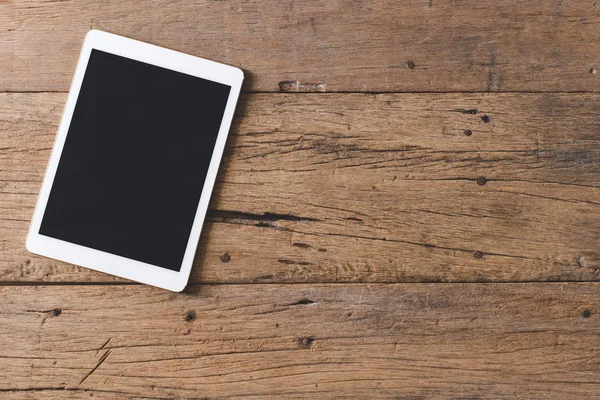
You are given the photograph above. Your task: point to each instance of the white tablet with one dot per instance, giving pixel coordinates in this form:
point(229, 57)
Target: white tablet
point(135, 160)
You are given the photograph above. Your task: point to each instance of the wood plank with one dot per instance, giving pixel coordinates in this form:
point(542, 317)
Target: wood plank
point(372, 188)
point(370, 45)
point(518, 341)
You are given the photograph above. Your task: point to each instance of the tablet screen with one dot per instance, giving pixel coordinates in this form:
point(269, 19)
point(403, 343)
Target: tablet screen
point(135, 159)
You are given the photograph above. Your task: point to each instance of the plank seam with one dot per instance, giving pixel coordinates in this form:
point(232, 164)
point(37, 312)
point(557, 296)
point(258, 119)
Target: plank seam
point(326, 283)
point(357, 92)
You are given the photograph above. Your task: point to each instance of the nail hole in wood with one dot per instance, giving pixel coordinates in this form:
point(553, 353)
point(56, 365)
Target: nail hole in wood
point(56, 312)
point(586, 313)
point(190, 316)
point(305, 342)
point(410, 65)
point(225, 257)
point(477, 254)
point(486, 119)
point(481, 180)
point(468, 132)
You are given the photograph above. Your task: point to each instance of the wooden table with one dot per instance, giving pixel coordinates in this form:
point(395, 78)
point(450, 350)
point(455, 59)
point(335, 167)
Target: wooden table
point(408, 207)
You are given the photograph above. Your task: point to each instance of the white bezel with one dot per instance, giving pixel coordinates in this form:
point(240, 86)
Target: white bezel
point(110, 263)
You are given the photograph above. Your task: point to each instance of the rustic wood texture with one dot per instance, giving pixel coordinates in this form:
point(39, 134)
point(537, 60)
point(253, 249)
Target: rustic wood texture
point(377, 45)
point(357, 187)
point(484, 341)
point(332, 211)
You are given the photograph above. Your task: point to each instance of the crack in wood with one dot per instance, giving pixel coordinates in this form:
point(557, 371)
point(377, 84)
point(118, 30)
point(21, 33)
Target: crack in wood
point(293, 262)
point(471, 111)
point(264, 217)
point(102, 359)
point(225, 353)
point(302, 302)
point(104, 345)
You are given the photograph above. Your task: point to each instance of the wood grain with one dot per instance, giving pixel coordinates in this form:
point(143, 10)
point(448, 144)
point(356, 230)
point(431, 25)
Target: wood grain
point(518, 341)
point(368, 45)
point(364, 188)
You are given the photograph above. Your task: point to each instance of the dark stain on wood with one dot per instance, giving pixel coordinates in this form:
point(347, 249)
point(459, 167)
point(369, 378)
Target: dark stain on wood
point(471, 111)
point(303, 245)
point(302, 302)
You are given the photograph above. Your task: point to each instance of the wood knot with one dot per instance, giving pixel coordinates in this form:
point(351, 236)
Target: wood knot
point(305, 342)
point(225, 257)
point(190, 316)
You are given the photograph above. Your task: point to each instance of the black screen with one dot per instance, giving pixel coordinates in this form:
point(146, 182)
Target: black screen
point(135, 159)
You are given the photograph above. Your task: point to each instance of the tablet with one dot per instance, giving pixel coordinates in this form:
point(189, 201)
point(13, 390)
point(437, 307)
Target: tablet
point(135, 160)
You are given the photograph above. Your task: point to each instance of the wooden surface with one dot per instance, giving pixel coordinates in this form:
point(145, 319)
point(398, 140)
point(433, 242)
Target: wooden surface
point(440, 240)
point(360, 45)
point(302, 341)
point(360, 187)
